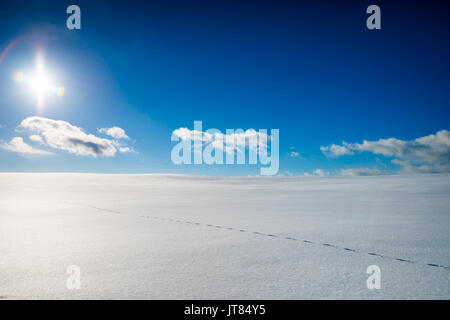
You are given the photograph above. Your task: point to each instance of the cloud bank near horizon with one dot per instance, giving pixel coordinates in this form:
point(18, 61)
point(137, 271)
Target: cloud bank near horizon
point(428, 154)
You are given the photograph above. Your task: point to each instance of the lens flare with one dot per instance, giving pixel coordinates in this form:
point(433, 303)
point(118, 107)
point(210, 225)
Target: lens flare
point(60, 91)
point(19, 77)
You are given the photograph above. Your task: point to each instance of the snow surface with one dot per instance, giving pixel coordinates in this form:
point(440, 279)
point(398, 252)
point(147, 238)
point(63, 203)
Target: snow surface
point(168, 236)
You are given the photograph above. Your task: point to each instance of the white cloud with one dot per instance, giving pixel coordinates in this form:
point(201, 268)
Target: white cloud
point(317, 173)
point(126, 150)
point(231, 142)
point(115, 132)
point(36, 138)
point(425, 154)
point(345, 172)
point(407, 167)
point(62, 135)
point(360, 172)
point(321, 173)
point(295, 154)
point(18, 145)
point(336, 151)
point(433, 148)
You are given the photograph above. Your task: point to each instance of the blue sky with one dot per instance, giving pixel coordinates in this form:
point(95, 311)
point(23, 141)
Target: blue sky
point(312, 70)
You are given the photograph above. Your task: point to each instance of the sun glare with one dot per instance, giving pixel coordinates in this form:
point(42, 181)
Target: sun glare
point(40, 83)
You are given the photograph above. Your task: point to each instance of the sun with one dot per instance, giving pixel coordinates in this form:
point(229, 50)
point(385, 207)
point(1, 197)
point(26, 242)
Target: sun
point(40, 83)
point(41, 86)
